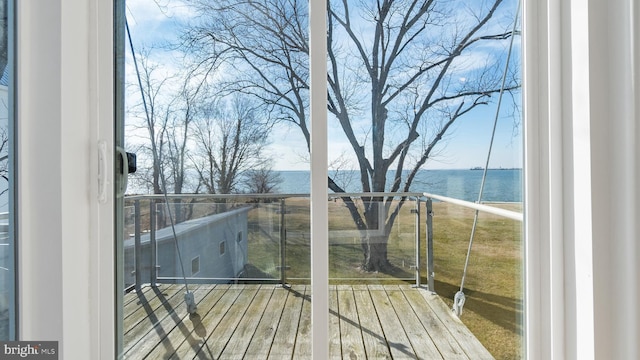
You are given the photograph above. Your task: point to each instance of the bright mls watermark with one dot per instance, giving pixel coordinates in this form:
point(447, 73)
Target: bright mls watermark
point(10, 350)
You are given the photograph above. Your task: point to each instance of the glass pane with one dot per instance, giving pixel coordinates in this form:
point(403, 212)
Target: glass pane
point(238, 238)
point(217, 115)
point(348, 243)
point(7, 240)
point(412, 95)
point(414, 91)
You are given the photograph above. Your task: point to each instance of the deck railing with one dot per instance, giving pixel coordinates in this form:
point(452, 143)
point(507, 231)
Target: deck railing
point(265, 237)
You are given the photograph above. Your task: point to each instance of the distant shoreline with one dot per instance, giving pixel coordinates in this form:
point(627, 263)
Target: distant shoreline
point(481, 168)
point(502, 184)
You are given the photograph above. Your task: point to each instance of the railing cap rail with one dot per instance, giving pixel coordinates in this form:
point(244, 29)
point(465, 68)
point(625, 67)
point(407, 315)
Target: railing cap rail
point(480, 207)
point(271, 196)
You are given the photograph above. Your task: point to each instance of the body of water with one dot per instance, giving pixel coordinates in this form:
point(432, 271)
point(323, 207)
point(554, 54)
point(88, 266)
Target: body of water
point(501, 184)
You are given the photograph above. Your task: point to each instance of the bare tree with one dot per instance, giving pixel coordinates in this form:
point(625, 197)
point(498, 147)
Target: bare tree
point(409, 69)
point(4, 125)
point(166, 116)
point(4, 159)
point(261, 47)
point(4, 35)
point(154, 119)
point(409, 72)
point(261, 180)
point(177, 139)
point(229, 140)
point(185, 110)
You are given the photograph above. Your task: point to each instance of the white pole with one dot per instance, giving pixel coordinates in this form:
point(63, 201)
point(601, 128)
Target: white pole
point(319, 193)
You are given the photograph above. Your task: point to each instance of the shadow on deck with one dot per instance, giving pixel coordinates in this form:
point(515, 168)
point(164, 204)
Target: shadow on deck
point(270, 322)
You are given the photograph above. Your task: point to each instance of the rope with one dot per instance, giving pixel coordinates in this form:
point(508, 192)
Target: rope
point(188, 296)
point(459, 298)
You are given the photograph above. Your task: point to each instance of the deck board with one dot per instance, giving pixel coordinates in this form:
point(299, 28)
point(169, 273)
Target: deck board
point(133, 295)
point(335, 348)
point(397, 339)
point(151, 311)
point(207, 323)
point(266, 330)
point(239, 342)
point(191, 328)
point(421, 342)
point(171, 315)
point(441, 336)
point(287, 332)
point(271, 322)
point(373, 338)
point(470, 345)
point(220, 337)
point(350, 329)
point(145, 304)
point(303, 335)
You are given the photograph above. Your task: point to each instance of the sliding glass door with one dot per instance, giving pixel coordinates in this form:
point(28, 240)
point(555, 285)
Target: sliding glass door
point(280, 163)
point(215, 241)
point(423, 118)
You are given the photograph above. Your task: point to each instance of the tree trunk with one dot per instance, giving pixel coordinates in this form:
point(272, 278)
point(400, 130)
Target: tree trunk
point(375, 237)
point(375, 254)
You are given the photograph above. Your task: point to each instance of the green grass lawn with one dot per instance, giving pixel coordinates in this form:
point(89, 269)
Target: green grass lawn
point(494, 282)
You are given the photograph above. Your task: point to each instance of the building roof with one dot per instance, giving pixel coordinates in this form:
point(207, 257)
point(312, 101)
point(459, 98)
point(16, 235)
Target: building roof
point(166, 233)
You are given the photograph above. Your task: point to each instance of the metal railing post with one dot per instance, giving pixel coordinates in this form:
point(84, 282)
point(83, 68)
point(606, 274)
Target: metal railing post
point(283, 242)
point(417, 211)
point(430, 271)
point(152, 243)
point(137, 245)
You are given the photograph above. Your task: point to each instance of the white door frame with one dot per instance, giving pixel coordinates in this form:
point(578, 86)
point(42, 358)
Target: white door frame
point(64, 106)
point(64, 100)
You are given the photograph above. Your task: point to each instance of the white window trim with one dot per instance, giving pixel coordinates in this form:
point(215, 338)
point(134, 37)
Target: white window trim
point(582, 69)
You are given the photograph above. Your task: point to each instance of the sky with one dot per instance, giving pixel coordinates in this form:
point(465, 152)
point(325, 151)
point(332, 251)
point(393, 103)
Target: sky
point(154, 22)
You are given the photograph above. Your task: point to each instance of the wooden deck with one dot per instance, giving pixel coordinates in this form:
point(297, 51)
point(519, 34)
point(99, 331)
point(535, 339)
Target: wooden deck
point(269, 322)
